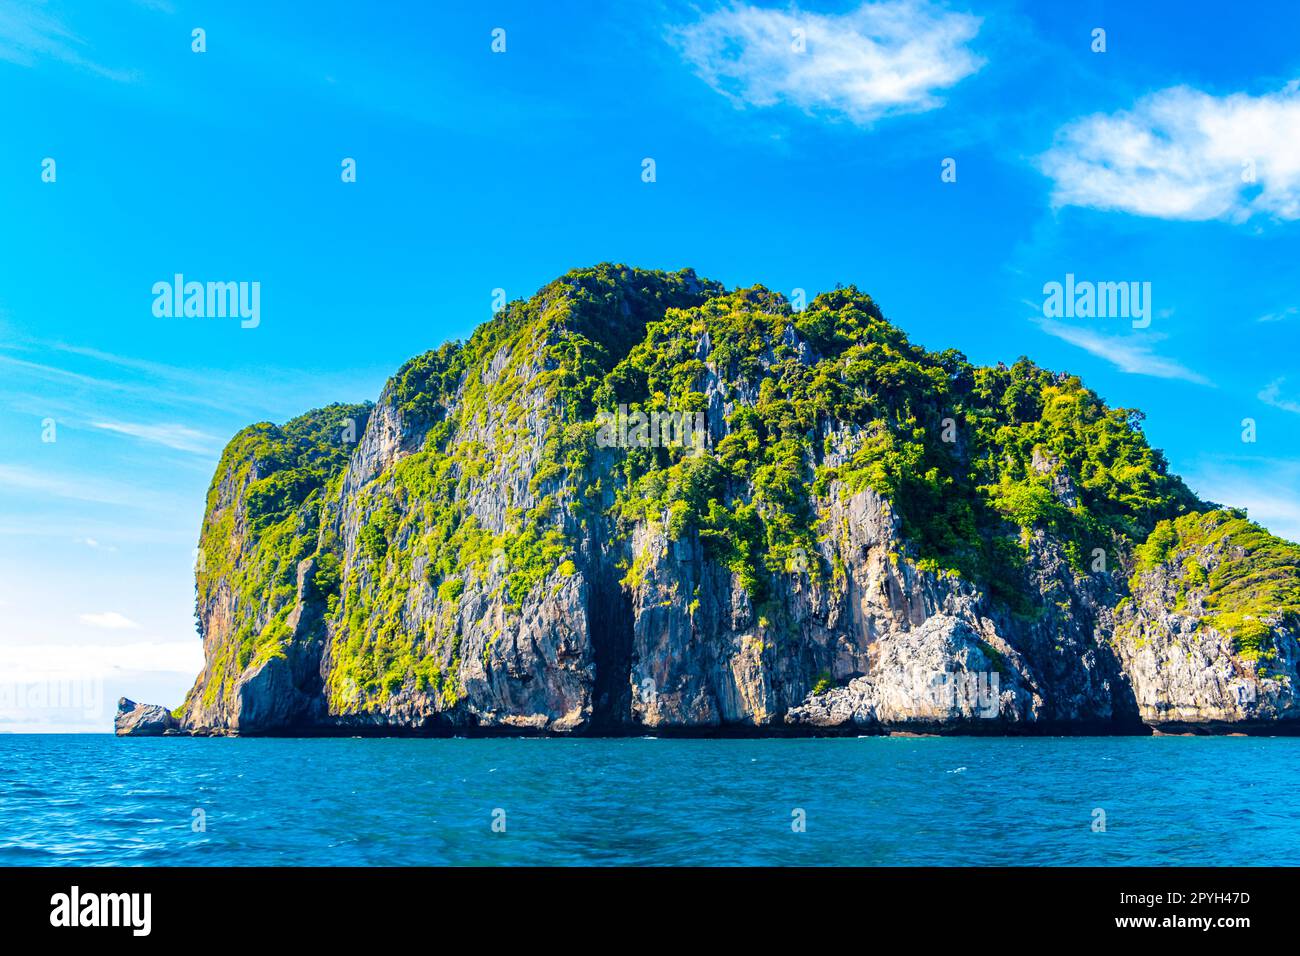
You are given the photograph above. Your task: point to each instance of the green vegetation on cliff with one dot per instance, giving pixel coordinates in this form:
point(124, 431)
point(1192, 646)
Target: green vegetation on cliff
point(799, 406)
point(968, 457)
point(547, 355)
point(262, 519)
point(1245, 577)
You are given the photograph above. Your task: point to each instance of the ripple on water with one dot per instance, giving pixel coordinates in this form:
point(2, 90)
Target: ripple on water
point(100, 800)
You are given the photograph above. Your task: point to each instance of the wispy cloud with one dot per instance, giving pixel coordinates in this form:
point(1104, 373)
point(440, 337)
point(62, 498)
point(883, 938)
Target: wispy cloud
point(1271, 394)
point(95, 544)
point(20, 478)
point(250, 394)
point(1180, 153)
point(178, 437)
point(172, 525)
point(1128, 353)
point(1281, 315)
point(181, 392)
point(156, 508)
point(109, 620)
point(878, 60)
point(29, 34)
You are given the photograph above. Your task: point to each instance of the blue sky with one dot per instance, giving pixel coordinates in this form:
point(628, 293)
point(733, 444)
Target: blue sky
point(479, 170)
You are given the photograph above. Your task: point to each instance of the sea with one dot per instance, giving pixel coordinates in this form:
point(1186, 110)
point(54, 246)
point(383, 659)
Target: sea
point(100, 800)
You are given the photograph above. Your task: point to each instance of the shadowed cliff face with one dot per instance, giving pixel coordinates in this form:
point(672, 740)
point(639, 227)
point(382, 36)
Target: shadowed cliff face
point(259, 608)
point(793, 523)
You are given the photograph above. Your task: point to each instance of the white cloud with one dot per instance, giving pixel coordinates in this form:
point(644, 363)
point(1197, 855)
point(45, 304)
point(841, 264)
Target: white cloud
point(1180, 153)
point(878, 60)
point(1271, 394)
point(19, 662)
point(72, 688)
point(93, 543)
point(1281, 315)
point(110, 620)
point(29, 34)
point(1129, 353)
point(179, 437)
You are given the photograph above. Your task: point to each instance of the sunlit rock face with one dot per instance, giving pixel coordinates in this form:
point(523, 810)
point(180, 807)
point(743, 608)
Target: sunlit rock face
point(637, 502)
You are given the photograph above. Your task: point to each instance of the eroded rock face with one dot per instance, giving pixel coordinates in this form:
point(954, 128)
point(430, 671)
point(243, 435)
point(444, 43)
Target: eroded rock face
point(462, 557)
point(1186, 672)
point(143, 720)
point(940, 676)
point(910, 646)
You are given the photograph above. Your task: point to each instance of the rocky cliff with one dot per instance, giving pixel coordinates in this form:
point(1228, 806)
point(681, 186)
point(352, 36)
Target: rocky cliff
point(637, 502)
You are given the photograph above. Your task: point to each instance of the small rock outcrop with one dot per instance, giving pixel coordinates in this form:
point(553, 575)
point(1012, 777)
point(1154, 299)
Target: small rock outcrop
point(143, 720)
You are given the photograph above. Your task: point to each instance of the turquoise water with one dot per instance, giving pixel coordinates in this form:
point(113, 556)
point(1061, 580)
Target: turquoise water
point(877, 801)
